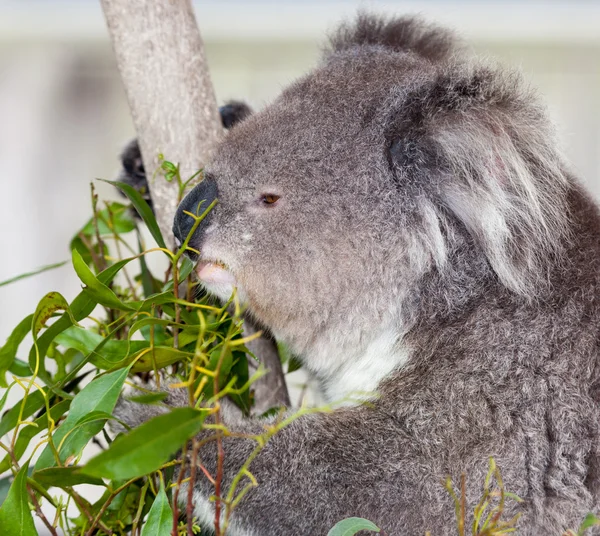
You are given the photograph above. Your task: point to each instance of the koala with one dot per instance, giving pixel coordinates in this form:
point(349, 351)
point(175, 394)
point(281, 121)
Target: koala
point(403, 219)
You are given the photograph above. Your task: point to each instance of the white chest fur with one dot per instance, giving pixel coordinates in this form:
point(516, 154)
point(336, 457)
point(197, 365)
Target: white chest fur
point(351, 374)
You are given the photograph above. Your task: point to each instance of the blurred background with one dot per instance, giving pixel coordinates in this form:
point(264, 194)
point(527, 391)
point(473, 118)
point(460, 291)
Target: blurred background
point(64, 116)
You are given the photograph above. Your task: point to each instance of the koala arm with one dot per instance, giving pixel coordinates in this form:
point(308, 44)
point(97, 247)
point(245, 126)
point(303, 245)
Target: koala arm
point(319, 469)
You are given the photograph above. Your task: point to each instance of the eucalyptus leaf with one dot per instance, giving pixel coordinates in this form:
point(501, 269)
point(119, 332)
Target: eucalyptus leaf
point(186, 268)
point(160, 517)
point(48, 305)
point(62, 477)
point(101, 293)
point(352, 525)
point(159, 357)
point(103, 352)
point(88, 251)
point(15, 516)
point(80, 308)
point(143, 209)
point(20, 368)
point(115, 219)
point(149, 283)
point(35, 272)
point(108, 354)
point(5, 396)
point(589, 521)
point(8, 352)
point(31, 404)
point(28, 432)
point(101, 394)
point(146, 448)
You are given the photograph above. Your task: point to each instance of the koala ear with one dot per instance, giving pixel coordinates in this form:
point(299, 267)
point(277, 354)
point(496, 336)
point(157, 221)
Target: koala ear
point(494, 167)
point(399, 34)
point(233, 112)
point(504, 178)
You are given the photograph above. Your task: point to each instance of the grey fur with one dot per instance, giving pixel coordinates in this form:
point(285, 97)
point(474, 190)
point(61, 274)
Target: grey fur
point(430, 241)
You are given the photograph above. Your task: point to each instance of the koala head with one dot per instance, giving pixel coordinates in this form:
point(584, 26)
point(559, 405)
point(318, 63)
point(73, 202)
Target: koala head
point(394, 159)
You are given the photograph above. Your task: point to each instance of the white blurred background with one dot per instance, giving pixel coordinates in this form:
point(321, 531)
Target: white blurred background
point(64, 116)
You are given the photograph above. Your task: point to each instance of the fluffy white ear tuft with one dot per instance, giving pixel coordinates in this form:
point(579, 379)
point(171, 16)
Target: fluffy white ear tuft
point(505, 183)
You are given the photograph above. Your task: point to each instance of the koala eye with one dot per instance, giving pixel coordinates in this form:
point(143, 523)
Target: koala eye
point(269, 199)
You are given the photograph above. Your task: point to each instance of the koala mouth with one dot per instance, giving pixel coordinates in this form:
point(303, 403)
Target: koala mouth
point(214, 273)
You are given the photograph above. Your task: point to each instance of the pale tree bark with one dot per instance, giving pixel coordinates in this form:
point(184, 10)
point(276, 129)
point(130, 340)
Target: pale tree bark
point(161, 60)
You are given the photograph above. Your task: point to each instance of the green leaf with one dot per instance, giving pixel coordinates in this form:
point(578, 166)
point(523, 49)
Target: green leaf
point(48, 305)
point(8, 352)
point(32, 403)
point(20, 368)
point(35, 272)
point(158, 299)
point(294, 364)
point(116, 219)
point(95, 288)
point(149, 284)
point(5, 396)
point(143, 209)
point(241, 373)
point(85, 251)
point(62, 477)
point(160, 357)
point(81, 307)
point(107, 354)
point(148, 321)
point(226, 360)
point(4, 487)
point(28, 432)
point(352, 525)
point(103, 352)
point(160, 517)
point(15, 516)
point(186, 268)
point(101, 394)
point(589, 521)
point(146, 448)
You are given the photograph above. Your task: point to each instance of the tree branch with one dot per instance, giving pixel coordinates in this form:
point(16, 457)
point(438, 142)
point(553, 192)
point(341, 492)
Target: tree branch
point(161, 59)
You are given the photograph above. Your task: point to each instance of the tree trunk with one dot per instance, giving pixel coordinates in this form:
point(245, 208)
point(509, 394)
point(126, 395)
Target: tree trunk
point(161, 59)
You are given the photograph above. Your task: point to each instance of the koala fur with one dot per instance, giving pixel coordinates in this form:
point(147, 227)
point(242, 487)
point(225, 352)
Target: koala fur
point(402, 218)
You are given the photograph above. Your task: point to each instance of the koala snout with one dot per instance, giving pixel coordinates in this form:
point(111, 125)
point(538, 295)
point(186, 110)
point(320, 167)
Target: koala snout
point(195, 202)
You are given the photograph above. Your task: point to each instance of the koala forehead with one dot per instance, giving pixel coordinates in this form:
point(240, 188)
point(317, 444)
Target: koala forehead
point(326, 128)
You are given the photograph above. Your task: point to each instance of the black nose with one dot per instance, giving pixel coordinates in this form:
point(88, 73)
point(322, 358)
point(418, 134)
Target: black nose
point(195, 202)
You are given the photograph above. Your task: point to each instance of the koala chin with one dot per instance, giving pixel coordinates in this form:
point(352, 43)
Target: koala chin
point(403, 219)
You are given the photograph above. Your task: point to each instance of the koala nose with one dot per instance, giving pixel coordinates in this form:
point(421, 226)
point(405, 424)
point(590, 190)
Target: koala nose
point(195, 202)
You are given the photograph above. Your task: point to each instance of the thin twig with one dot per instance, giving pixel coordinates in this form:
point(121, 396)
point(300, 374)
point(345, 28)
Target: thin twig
point(190, 504)
point(40, 514)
